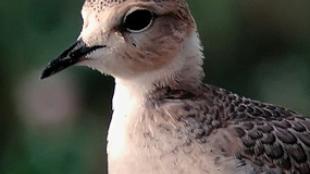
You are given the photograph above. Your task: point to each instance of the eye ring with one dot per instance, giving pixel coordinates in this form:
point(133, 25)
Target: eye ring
point(138, 20)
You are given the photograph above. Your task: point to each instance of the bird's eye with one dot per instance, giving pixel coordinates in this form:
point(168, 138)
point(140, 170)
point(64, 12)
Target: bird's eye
point(138, 20)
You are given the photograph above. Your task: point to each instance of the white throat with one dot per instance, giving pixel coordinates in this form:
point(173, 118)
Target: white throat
point(186, 67)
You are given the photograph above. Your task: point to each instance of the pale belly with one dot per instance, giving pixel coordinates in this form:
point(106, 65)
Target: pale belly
point(149, 143)
point(149, 160)
point(156, 151)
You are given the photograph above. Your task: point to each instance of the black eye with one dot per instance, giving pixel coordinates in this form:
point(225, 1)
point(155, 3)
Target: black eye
point(138, 20)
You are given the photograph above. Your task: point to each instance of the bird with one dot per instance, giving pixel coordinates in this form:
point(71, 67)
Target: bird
point(165, 119)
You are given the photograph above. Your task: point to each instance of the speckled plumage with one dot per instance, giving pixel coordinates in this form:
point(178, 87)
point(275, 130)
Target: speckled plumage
point(269, 139)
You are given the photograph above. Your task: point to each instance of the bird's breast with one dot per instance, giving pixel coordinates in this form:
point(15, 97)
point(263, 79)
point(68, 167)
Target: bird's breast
point(142, 144)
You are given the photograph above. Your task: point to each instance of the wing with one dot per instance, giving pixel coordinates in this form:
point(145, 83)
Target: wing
point(269, 136)
point(262, 137)
point(283, 143)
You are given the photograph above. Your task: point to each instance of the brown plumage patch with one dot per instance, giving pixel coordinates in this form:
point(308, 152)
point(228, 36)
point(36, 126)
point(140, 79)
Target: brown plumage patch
point(268, 137)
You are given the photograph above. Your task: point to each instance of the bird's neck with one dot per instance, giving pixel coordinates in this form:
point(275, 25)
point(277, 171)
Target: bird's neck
point(184, 72)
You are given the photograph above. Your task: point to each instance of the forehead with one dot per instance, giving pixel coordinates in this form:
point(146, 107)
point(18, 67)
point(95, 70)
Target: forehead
point(176, 7)
point(101, 4)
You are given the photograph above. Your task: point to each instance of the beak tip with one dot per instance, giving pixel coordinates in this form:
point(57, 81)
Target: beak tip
point(45, 74)
point(43, 77)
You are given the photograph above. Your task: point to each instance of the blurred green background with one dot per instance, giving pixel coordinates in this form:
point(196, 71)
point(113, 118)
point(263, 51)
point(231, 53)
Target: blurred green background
point(257, 48)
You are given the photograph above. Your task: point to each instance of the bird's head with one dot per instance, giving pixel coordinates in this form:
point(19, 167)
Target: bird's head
point(128, 38)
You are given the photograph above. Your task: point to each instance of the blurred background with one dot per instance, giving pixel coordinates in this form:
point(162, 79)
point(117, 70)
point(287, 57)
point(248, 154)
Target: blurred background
point(257, 48)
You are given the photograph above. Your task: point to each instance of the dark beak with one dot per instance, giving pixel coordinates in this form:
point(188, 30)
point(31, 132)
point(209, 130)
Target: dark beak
point(71, 56)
